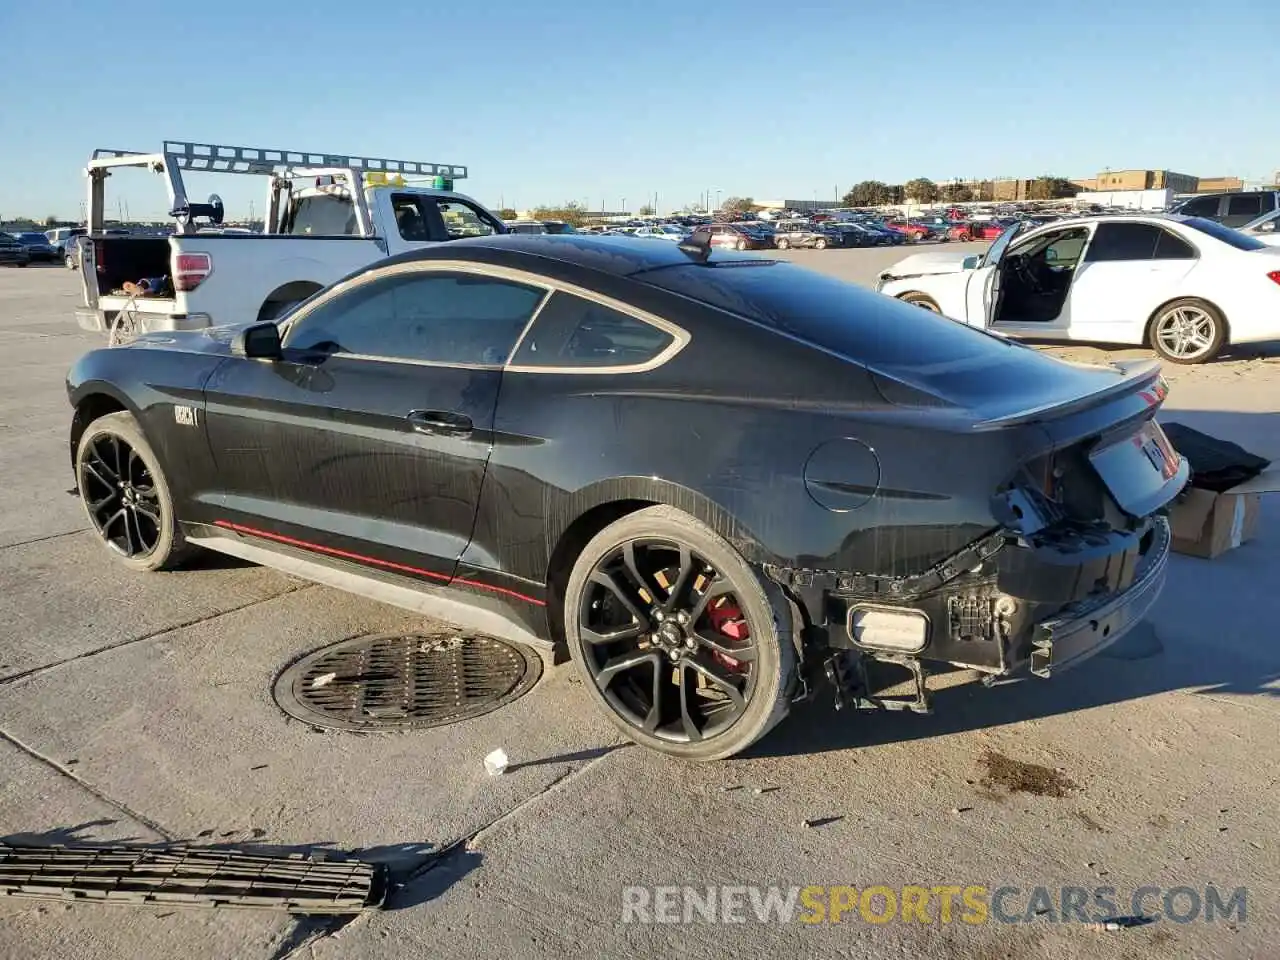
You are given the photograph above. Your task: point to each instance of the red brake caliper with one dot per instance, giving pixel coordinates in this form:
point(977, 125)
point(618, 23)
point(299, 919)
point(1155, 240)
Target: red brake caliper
point(728, 621)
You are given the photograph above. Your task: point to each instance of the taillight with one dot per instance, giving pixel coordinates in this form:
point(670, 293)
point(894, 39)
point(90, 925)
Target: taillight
point(191, 270)
point(1274, 275)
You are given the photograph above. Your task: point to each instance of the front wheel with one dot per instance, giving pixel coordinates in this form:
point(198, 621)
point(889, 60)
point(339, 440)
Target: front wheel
point(820, 244)
point(740, 245)
point(675, 637)
point(921, 300)
point(783, 243)
point(1188, 331)
point(125, 495)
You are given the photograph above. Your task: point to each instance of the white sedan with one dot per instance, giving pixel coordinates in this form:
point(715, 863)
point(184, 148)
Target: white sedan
point(1184, 285)
point(663, 231)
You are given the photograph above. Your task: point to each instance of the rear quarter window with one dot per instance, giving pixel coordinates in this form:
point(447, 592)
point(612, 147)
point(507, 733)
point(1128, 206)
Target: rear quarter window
point(572, 332)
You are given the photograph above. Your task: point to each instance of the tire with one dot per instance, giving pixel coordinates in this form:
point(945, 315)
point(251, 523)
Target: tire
point(740, 245)
point(25, 265)
point(1187, 331)
point(921, 300)
point(783, 243)
point(69, 262)
point(160, 543)
point(276, 308)
point(652, 640)
point(820, 243)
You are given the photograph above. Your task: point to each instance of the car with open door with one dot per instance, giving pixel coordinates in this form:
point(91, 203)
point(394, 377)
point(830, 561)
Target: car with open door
point(1187, 287)
point(714, 481)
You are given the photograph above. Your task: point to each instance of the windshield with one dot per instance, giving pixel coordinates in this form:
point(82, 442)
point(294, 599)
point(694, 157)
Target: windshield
point(33, 238)
point(1234, 238)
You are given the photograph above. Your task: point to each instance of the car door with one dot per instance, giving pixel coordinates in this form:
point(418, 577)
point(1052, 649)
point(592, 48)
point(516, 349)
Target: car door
point(369, 439)
point(983, 286)
point(1129, 268)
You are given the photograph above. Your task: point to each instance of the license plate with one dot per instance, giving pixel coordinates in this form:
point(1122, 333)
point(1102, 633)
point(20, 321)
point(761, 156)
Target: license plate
point(1141, 471)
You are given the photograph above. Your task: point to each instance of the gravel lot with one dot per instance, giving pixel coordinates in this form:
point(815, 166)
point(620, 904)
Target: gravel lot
point(138, 707)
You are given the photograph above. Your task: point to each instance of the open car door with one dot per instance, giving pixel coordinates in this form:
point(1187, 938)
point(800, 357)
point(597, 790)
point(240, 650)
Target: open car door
point(982, 295)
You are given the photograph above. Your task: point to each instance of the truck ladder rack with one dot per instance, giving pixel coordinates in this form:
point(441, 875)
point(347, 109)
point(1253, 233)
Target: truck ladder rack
point(217, 158)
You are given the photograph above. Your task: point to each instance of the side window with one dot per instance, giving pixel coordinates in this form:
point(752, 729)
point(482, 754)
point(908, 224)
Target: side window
point(463, 220)
point(1123, 241)
point(1245, 206)
point(323, 216)
point(442, 317)
point(1172, 247)
point(410, 222)
point(572, 331)
point(1200, 207)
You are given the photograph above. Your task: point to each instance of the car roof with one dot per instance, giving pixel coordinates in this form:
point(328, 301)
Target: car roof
point(619, 256)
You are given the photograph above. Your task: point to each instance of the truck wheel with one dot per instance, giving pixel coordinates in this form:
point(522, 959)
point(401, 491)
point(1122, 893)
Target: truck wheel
point(125, 495)
point(675, 637)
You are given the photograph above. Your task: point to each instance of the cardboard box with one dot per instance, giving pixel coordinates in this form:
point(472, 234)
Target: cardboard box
point(1207, 524)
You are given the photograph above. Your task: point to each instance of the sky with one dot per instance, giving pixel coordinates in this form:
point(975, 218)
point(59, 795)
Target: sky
point(606, 101)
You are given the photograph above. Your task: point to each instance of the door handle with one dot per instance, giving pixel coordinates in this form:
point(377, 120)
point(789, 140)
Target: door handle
point(440, 423)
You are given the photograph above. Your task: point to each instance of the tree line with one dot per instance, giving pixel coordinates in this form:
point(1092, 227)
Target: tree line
point(871, 193)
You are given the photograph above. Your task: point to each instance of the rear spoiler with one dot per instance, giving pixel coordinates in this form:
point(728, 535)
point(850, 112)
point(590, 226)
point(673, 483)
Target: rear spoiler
point(1139, 376)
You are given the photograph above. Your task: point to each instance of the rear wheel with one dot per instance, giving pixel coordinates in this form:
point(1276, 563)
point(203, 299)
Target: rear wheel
point(783, 243)
point(740, 245)
point(921, 300)
point(675, 637)
point(820, 243)
point(1188, 331)
point(125, 495)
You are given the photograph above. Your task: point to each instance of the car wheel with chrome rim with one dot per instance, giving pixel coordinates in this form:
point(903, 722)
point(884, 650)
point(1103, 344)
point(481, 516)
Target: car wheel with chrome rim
point(1188, 331)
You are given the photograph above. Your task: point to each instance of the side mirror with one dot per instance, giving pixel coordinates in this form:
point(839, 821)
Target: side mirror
point(1051, 255)
point(971, 262)
point(260, 341)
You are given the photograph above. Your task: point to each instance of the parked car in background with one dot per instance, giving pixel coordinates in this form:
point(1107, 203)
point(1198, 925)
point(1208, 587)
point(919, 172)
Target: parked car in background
point(39, 249)
point(662, 231)
point(13, 253)
point(879, 231)
point(59, 236)
point(1230, 209)
point(739, 236)
point(526, 226)
point(960, 231)
point(1185, 285)
point(798, 233)
point(1266, 228)
point(990, 229)
point(559, 227)
point(911, 229)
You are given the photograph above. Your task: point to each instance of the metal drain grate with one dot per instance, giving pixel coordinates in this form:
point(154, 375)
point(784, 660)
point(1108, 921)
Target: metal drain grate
point(184, 877)
point(405, 682)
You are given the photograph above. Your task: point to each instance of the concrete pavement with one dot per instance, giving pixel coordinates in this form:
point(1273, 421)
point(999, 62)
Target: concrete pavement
point(139, 707)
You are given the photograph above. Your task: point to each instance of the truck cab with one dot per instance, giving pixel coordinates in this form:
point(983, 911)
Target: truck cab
point(327, 215)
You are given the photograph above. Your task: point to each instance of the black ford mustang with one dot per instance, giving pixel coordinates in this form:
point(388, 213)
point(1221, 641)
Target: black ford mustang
point(712, 479)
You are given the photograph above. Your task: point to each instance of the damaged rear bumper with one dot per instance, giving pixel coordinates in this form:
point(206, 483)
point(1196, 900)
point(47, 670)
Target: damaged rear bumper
point(1076, 633)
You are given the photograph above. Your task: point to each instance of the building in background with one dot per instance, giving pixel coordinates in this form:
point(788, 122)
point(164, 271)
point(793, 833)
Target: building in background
point(1219, 185)
point(1146, 180)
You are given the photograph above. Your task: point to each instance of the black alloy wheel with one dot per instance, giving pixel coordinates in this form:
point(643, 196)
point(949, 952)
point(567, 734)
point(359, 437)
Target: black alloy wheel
point(125, 495)
point(676, 637)
point(120, 494)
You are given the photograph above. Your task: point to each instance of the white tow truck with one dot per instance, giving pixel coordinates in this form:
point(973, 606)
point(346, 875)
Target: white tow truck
point(326, 216)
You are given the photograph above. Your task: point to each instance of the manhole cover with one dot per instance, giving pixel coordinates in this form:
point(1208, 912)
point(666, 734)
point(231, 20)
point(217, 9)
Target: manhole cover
point(405, 682)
